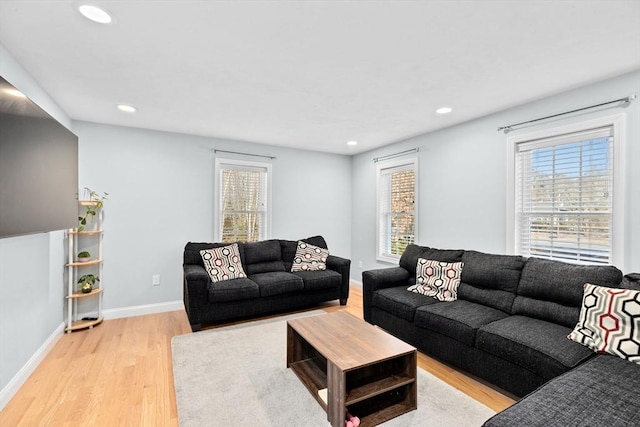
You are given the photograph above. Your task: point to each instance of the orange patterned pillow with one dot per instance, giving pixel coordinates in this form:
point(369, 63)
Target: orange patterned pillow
point(437, 279)
point(309, 258)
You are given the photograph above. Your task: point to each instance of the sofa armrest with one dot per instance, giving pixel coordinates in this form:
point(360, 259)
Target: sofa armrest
point(195, 291)
point(372, 280)
point(342, 266)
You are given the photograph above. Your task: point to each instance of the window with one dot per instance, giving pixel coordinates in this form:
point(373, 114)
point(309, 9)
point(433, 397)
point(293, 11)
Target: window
point(242, 201)
point(397, 208)
point(566, 193)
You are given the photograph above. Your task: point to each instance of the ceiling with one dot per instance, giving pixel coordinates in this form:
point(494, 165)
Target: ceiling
point(315, 74)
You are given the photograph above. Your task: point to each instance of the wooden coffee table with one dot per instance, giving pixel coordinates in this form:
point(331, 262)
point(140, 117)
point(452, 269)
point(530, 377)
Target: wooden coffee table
point(355, 366)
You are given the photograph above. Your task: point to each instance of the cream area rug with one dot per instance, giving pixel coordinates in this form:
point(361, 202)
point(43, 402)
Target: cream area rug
point(238, 375)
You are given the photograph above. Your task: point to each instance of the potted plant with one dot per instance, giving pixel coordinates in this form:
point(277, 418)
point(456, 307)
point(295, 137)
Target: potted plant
point(84, 256)
point(95, 202)
point(87, 282)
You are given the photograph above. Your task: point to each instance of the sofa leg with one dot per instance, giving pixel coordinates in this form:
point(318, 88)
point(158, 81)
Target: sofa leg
point(196, 327)
point(343, 301)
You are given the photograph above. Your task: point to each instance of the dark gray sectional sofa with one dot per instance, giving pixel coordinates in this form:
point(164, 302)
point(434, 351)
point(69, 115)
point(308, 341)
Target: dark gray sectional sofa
point(508, 326)
point(270, 285)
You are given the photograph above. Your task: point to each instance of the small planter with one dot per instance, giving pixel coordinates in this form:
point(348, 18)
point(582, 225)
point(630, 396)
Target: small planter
point(87, 282)
point(84, 256)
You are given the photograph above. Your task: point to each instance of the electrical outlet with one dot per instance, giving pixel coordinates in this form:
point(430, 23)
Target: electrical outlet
point(155, 280)
point(360, 264)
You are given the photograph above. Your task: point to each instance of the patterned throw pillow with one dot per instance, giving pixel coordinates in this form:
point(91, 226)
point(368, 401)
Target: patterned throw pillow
point(223, 263)
point(309, 258)
point(609, 322)
point(437, 279)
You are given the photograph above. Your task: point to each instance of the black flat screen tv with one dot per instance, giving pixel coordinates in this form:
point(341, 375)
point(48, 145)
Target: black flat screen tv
point(38, 168)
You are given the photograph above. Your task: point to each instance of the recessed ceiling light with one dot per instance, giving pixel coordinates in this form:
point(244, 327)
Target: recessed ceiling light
point(15, 92)
point(352, 142)
point(95, 14)
point(127, 108)
point(444, 110)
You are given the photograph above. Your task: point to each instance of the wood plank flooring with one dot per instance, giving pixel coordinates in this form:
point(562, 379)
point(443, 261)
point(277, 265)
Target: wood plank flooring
point(120, 374)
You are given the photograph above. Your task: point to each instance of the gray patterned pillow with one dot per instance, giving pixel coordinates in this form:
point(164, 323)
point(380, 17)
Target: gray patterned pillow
point(223, 263)
point(309, 258)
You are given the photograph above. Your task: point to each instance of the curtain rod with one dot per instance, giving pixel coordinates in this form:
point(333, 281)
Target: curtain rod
point(242, 154)
point(626, 99)
point(391, 156)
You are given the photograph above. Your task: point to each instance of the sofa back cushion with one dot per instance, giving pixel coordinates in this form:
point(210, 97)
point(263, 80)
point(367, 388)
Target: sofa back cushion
point(490, 280)
point(192, 251)
point(263, 257)
point(631, 281)
point(289, 248)
point(552, 290)
point(409, 258)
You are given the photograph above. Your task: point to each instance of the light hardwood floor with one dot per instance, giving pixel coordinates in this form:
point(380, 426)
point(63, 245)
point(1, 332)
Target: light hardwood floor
point(119, 374)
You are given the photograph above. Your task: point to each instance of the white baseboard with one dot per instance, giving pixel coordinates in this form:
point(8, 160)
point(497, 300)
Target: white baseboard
point(140, 310)
point(23, 374)
point(356, 283)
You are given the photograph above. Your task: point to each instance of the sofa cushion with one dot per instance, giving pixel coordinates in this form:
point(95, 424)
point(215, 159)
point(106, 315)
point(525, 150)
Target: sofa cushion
point(223, 263)
point(603, 391)
point(457, 319)
point(546, 310)
point(539, 346)
point(321, 279)
point(263, 257)
point(552, 290)
point(492, 271)
point(400, 302)
point(289, 248)
point(501, 300)
point(309, 257)
point(631, 281)
point(409, 258)
point(232, 290)
point(610, 322)
point(437, 279)
point(489, 279)
point(277, 282)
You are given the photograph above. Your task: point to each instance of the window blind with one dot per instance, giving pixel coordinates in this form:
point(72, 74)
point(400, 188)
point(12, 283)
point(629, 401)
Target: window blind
point(396, 209)
point(243, 203)
point(564, 188)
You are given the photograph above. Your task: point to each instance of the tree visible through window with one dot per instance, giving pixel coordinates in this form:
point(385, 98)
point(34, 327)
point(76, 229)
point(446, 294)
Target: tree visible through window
point(396, 209)
point(564, 196)
point(242, 201)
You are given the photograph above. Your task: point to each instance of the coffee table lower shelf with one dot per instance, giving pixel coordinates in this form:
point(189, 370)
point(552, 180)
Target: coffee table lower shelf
point(376, 391)
point(312, 376)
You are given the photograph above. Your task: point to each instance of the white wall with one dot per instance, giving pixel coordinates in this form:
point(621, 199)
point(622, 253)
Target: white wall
point(462, 187)
point(160, 189)
point(31, 271)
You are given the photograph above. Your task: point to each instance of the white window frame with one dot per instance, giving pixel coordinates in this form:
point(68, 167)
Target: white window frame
point(380, 166)
point(617, 123)
point(220, 164)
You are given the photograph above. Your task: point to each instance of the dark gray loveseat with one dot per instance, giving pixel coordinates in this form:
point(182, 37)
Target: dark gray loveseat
point(270, 285)
point(509, 324)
